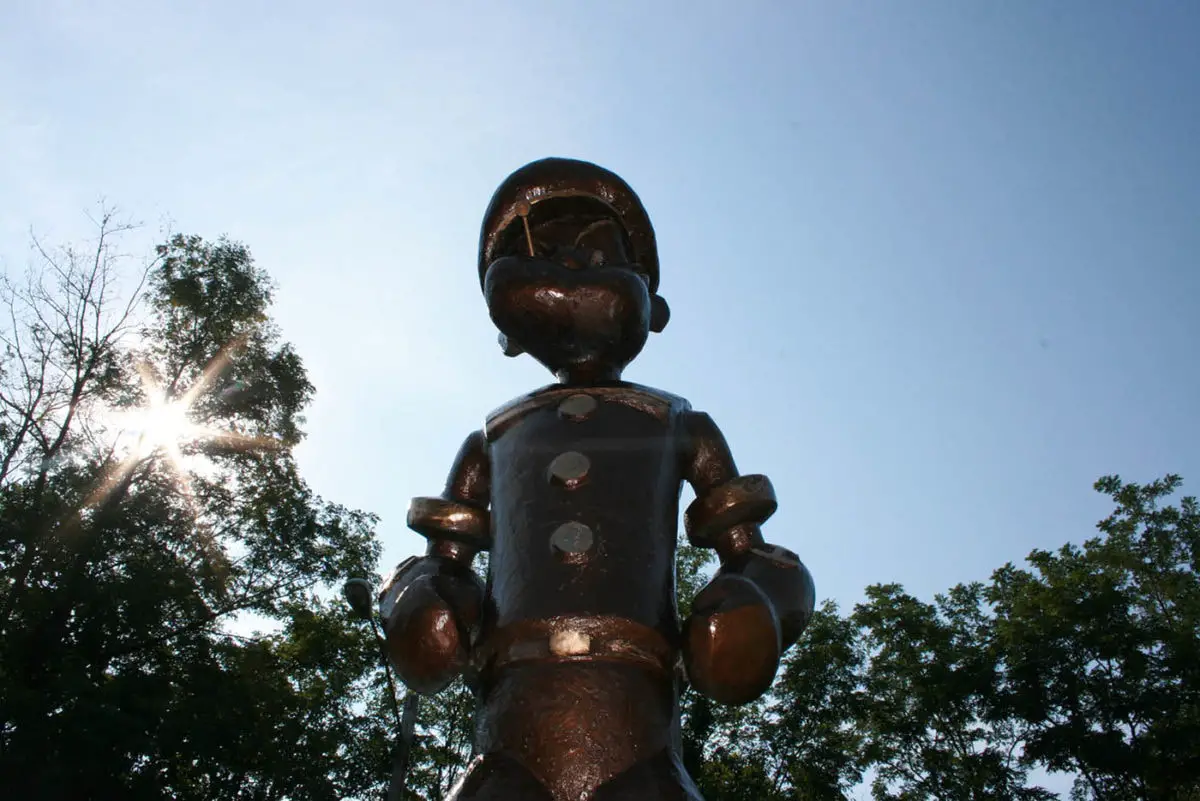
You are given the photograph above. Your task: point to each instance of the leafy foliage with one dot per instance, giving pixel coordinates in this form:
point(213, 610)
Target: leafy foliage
point(1101, 645)
point(815, 743)
point(124, 564)
point(443, 742)
point(931, 679)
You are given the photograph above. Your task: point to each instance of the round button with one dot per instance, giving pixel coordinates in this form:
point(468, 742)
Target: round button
point(569, 469)
point(571, 541)
point(577, 407)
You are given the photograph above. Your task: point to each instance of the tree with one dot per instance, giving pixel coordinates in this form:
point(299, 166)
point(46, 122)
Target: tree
point(813, 729)
point(930, 686)
point(443, 743)
point(59, 356)
point(123, 559)
point(1102, 646)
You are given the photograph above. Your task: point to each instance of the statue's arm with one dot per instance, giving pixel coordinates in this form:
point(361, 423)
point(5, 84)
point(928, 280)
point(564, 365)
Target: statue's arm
point(431, 605)
point(762, 596)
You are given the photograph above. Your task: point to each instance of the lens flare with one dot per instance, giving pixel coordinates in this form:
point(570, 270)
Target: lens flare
point(164, 426)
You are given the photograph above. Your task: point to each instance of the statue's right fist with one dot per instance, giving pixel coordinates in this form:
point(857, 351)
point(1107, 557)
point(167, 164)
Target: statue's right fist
point(431, 608)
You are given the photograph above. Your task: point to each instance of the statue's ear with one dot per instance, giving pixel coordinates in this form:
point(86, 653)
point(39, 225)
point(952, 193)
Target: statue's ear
point(660, 313)
point(509, 347)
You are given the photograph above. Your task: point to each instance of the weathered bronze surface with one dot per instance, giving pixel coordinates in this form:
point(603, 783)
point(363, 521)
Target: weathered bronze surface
point(574, 647)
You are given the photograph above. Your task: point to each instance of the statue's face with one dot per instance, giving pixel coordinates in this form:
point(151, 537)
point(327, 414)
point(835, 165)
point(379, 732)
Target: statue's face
point(576, 304)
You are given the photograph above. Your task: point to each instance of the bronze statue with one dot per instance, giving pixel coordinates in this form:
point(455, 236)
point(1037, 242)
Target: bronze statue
point(573, 646)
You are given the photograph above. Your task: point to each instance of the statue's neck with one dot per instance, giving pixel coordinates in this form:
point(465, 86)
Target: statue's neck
point(587, 375)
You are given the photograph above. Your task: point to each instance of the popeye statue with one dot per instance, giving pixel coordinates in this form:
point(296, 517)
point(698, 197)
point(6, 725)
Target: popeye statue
point(573, 646)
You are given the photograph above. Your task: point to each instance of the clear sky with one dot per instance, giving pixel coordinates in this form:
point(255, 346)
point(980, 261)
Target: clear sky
point(933, 266)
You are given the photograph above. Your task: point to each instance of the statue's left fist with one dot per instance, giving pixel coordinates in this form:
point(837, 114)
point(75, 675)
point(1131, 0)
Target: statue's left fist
point(732, 642)
point(431, 609)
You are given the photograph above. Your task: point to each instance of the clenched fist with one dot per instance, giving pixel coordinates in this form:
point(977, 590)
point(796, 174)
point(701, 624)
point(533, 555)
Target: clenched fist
point(731, 641)
point(431, 608)
point(742, 622)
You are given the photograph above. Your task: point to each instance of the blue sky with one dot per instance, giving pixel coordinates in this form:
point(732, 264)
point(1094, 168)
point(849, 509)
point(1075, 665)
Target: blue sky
point(932, 265)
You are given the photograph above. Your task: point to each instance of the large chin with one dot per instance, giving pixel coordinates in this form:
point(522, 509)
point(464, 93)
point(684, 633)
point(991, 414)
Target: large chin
point(569, 319)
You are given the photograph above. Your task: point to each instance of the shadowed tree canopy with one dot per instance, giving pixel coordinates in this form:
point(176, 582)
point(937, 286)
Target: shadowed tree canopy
point(148, 499)
point(1084, 662)
point(1101, 647)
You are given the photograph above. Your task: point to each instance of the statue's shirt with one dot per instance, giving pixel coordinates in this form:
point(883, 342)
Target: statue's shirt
point(584, 505)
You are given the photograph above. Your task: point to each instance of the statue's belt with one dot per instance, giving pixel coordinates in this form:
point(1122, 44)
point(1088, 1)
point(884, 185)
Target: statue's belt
point(576, 638)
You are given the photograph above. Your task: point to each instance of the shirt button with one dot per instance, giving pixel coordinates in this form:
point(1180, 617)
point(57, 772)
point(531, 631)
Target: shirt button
point(571, 541)
point(577, 407)
point(569, 469)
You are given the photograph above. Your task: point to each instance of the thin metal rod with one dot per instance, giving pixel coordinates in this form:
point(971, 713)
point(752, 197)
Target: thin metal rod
point(523, 210)
point(403, 747)
point(387, 669)
point(405, 724)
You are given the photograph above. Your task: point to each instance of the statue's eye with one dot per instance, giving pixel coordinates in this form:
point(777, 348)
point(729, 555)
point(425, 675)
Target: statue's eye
point(604, 236)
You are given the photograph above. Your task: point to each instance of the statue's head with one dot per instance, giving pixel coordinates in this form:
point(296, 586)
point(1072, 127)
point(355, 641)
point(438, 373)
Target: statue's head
point(569, 269)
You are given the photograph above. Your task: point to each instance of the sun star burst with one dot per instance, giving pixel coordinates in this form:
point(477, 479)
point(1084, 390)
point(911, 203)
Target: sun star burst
point(164, 426)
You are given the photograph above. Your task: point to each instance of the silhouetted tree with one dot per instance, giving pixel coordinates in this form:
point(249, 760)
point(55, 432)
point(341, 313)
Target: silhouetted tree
point(1101, 644)
point(124, 560)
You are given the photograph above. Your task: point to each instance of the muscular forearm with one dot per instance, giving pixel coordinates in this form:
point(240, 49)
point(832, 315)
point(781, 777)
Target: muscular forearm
point(761, 597)
point(457, 524)
point(726, 516)
point(431, 605)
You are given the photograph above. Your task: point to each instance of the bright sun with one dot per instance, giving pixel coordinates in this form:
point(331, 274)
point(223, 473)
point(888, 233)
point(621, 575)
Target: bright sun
point(164, 425)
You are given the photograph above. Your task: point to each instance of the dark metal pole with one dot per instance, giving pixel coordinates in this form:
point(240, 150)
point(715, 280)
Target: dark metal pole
point(403, 747)
point(387, 670)
point(357, 593)
point(406, 722)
